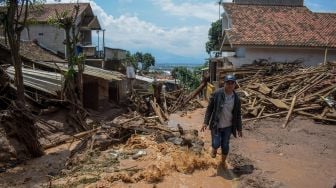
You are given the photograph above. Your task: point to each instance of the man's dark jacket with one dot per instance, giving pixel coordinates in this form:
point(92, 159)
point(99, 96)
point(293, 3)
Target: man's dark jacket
point(215, 106)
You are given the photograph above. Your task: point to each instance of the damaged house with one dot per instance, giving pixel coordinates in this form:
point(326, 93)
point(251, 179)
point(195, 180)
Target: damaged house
point(43, 77)
point(278, 31)
point(52, 37)
point(43, 51)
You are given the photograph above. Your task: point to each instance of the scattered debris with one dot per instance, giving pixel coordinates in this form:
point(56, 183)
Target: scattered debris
point(287, 89)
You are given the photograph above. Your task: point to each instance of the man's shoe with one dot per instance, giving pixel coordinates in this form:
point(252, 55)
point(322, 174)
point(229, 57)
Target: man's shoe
point(213, 153)
point(223, 163)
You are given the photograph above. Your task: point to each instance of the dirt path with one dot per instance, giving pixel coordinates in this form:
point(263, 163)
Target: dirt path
point(303, 155)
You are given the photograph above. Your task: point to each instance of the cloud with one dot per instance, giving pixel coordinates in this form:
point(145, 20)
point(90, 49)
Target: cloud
point(130, 32)
point(204, 11)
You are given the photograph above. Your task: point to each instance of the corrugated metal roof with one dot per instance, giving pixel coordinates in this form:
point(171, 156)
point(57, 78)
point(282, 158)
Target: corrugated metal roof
point(145, 79)
point(88, 70)
point(48, 82)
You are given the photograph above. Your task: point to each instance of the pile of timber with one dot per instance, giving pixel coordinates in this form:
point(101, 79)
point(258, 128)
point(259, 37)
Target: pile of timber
point(261, 67)
point(166, 103)
point(308, 91)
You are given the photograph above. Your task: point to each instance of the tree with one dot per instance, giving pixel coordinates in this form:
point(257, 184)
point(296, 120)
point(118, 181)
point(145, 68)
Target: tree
point(14, 20)
point(130, 60)
point(138, 57)
point(215, 36)
point(73, 85)
point(147, 61)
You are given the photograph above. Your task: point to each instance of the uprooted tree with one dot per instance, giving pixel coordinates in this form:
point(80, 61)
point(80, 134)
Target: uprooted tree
point(18, 121)
point(73, 85)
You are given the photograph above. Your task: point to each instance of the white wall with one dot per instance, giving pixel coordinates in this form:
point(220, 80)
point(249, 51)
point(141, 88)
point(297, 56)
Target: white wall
point(310, 56)
point(49, 36)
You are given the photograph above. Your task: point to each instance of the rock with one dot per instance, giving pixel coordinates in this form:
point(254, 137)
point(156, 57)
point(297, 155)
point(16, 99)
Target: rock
point(176, 140)
point(139, 154)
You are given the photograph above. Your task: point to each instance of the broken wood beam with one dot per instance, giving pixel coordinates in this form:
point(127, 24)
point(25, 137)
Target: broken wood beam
point(157, 111)
point(289, 112)
point(284, 112)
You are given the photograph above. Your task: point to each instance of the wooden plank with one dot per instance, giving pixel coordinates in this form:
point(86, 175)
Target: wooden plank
point(157, 111)
point(284, 112)
point(264, 89)
point(289, 112)
point(278, 103)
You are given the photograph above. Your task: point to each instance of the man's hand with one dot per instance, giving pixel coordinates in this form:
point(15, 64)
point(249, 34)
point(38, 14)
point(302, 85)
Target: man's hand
point(240, 133)
point(204, 127)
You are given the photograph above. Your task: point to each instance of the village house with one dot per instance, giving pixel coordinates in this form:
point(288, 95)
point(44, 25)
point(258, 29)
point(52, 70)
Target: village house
point(52, 38)
point(43, 76)
point(278, 31)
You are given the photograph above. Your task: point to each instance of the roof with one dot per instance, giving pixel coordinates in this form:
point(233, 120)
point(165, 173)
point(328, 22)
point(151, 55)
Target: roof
point(88, 70)
point(43, 12)
point(145, 79)
point(33, 52)
point(48, 82)
point(271, 2)
point(291, 26)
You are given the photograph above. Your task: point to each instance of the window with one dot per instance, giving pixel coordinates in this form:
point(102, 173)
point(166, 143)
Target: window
point(40, 34)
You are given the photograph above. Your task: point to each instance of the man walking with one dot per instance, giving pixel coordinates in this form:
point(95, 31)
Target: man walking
point(223, 116)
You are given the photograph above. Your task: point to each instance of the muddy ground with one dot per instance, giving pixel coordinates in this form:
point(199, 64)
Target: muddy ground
point(303, 155)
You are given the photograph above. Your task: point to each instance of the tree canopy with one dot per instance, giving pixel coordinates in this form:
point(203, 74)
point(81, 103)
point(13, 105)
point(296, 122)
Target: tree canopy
point(214, 34)
point(146, 59)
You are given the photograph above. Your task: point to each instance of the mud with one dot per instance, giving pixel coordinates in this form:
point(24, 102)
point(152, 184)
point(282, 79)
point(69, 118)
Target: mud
point(303, 155)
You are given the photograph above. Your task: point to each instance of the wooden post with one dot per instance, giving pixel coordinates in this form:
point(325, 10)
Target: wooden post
point(325, 56)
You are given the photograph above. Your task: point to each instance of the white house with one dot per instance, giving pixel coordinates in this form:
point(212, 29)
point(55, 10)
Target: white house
point(52, 37)
point(277, 30)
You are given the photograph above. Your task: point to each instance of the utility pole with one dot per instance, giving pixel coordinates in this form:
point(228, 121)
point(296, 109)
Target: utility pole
point(103, 43)
point(98, 43)
point(219, 5)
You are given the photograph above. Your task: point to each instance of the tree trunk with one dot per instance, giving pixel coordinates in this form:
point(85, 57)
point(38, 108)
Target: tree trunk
point(13, 33)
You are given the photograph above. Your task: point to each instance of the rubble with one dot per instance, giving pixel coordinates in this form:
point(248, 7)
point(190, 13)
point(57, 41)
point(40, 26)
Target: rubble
point(287, 89)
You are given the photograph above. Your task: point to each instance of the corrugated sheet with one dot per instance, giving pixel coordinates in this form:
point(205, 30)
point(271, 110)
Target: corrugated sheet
point(88, 70)
point(48, 82)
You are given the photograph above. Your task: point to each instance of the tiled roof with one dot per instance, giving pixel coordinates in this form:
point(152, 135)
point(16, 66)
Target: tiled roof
point(33, 52)
point(41, 13)
point(280, 26)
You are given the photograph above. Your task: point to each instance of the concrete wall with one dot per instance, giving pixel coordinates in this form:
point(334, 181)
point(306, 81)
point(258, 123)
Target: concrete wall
point(49, 36)
point(310, 56)
point(114, 54)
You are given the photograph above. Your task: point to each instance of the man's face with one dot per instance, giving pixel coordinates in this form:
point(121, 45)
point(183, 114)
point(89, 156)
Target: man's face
point(230, 85)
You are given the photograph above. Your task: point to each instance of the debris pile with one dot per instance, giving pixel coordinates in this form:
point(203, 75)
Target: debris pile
point(164, 103)
point(134, 137)
point(288, 89)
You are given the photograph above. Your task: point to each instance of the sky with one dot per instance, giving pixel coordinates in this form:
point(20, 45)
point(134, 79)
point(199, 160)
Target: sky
point(173, 31)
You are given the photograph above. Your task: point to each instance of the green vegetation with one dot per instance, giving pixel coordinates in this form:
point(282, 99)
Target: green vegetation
point(214, 34)
point(146, 59)
point(189, 78)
